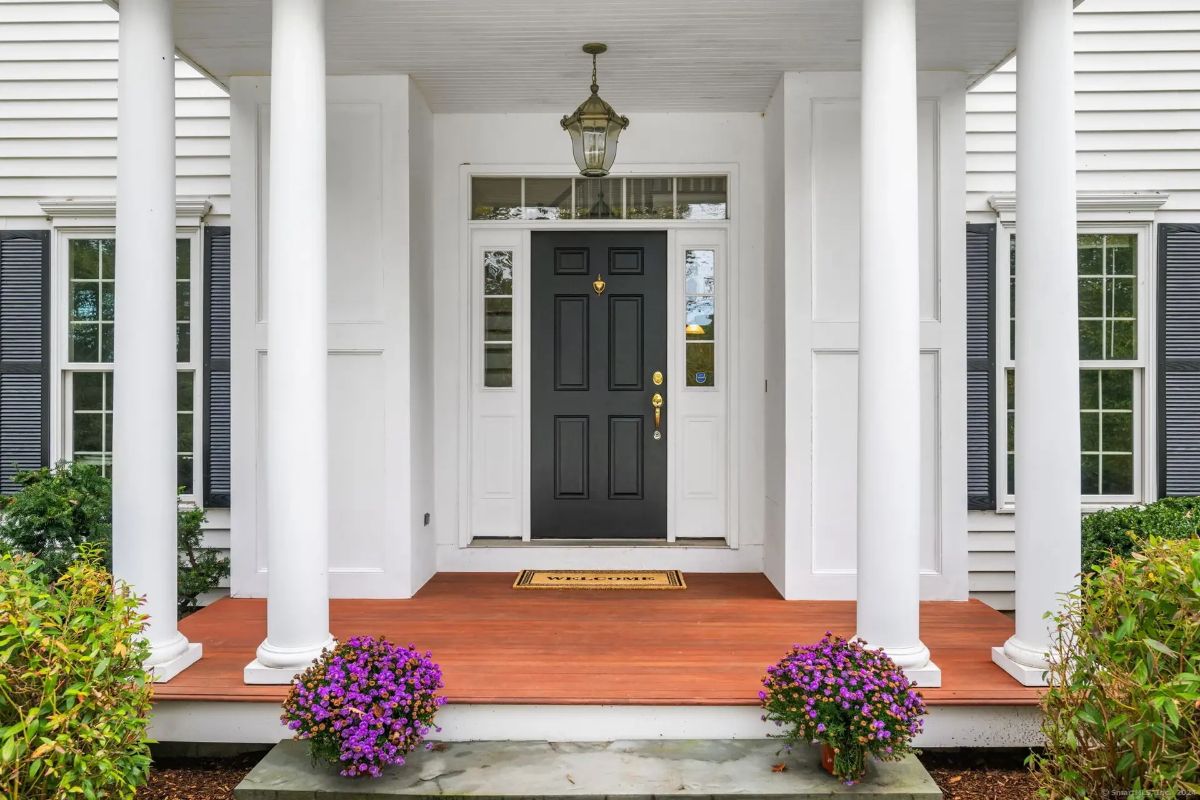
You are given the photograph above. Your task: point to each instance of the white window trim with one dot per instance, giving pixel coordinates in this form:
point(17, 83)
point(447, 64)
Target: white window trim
point(88, 222)
point(1145, 398)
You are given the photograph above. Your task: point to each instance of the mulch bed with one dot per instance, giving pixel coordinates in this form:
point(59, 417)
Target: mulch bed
point(961, 775)
point(981, 774)
point(197, 778)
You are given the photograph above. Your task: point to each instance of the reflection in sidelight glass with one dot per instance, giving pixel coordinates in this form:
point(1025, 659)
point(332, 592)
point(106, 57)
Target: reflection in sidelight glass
point(497, 318)
point(699, 276)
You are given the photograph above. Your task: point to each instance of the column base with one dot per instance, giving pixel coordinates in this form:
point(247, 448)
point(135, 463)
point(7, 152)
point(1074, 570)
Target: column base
point(914, 662)
point(256, 673)
point(1021, 673)
point(275, 665)
point(166, 670)
point(926, 677)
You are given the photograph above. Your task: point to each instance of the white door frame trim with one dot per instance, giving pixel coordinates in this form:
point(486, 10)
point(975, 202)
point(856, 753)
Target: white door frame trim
point(724, 239)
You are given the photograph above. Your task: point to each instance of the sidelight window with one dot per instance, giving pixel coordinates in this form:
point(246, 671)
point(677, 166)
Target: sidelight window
point(498, 318)
point(700, 305)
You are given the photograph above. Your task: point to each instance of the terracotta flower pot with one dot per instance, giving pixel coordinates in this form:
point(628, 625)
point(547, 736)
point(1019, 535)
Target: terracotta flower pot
point(827, 758)
point(828, 763)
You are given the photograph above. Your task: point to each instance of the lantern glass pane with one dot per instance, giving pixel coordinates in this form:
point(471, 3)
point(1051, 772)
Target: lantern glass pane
point(594, 144)
point(610, 144)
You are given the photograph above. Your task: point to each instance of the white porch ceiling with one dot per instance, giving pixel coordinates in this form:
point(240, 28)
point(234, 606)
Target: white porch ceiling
point(523, 55)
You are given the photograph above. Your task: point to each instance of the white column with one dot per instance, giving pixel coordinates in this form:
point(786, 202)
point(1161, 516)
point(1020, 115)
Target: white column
point(1047, 492)
point(889, 389)
point(144, 404)
point(297, 481)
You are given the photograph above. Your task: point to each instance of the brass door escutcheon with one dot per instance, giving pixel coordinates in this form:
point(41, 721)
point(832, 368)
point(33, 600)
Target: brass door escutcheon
point(657, 378)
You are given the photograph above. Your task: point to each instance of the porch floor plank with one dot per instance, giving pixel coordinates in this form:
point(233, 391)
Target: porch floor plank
point(706, 645)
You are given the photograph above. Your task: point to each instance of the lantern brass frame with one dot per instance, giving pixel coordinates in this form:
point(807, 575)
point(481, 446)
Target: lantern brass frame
point(591, 113)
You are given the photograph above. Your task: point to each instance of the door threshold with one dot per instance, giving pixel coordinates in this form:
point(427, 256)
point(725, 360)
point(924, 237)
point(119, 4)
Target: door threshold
point(497, 541)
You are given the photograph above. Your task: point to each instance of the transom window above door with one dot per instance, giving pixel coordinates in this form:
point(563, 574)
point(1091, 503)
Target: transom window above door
point(678, 197)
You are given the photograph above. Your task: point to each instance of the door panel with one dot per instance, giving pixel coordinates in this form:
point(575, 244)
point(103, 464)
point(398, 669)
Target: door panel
point(597, 470)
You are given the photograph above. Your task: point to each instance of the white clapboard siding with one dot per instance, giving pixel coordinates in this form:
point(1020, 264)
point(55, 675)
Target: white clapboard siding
point(1137, 104)
point(58, 111)
point(1137, 112)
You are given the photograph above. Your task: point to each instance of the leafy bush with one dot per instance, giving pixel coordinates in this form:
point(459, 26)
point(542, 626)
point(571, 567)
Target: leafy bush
point(847, 696)
point(1116, 531)
point(1123, 710)
point(364, 705)
point(74, 700)
point(200, 569)
point(59, 510)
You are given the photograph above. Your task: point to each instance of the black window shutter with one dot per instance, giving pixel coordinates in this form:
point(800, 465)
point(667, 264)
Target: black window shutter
point(1179, 360)
point(216, 367)
point(981, 366)
point(24, 354)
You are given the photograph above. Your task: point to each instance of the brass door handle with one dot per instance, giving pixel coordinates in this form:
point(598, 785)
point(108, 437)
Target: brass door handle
point(656, 402)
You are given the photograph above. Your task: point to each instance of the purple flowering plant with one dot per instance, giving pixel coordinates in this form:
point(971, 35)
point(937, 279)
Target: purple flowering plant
point(365, 704)
point(847, 696)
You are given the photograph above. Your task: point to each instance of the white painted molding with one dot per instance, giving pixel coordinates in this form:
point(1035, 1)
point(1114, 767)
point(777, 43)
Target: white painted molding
point(188, 210)
point(258, 723)
point(1125, 205)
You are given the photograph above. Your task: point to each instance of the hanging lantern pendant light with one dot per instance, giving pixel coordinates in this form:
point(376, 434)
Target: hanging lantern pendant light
point(594, 127)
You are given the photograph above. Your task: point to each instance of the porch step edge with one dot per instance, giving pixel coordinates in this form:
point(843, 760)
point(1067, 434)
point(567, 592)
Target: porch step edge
point(624, 770)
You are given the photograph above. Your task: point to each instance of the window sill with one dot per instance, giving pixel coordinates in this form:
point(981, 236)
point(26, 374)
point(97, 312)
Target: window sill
point(1087, 507)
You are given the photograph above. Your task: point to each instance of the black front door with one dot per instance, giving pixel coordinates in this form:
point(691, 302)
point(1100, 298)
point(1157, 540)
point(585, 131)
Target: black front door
point(599, 336)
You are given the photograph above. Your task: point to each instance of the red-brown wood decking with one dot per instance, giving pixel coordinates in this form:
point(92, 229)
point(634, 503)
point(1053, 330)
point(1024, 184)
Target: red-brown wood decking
point(706, 645)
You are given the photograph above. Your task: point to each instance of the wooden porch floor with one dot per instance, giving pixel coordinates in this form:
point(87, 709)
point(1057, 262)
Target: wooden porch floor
point(707, 645)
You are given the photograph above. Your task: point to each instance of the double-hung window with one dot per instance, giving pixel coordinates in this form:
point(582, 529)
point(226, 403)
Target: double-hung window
point(1114, 347)
point(89, 310)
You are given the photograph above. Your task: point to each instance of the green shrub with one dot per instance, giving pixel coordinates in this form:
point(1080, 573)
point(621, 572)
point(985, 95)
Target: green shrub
point(200, 569)
point(59, 510)
point(1116, 531)
point(74, 699)
point(1123, 710)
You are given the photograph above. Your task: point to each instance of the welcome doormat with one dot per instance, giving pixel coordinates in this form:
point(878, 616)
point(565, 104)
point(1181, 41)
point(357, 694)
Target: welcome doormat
point(600, 579)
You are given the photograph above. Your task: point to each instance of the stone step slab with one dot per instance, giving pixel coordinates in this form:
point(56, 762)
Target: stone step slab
point(628, 770)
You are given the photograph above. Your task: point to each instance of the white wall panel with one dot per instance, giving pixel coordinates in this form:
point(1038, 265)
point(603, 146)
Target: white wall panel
point(703, 467)
point(372, 523)
point(816, 528)
point(835, 230)
point(355, 220)
point(835, 462)
point(358, 490)
point(836, 136)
